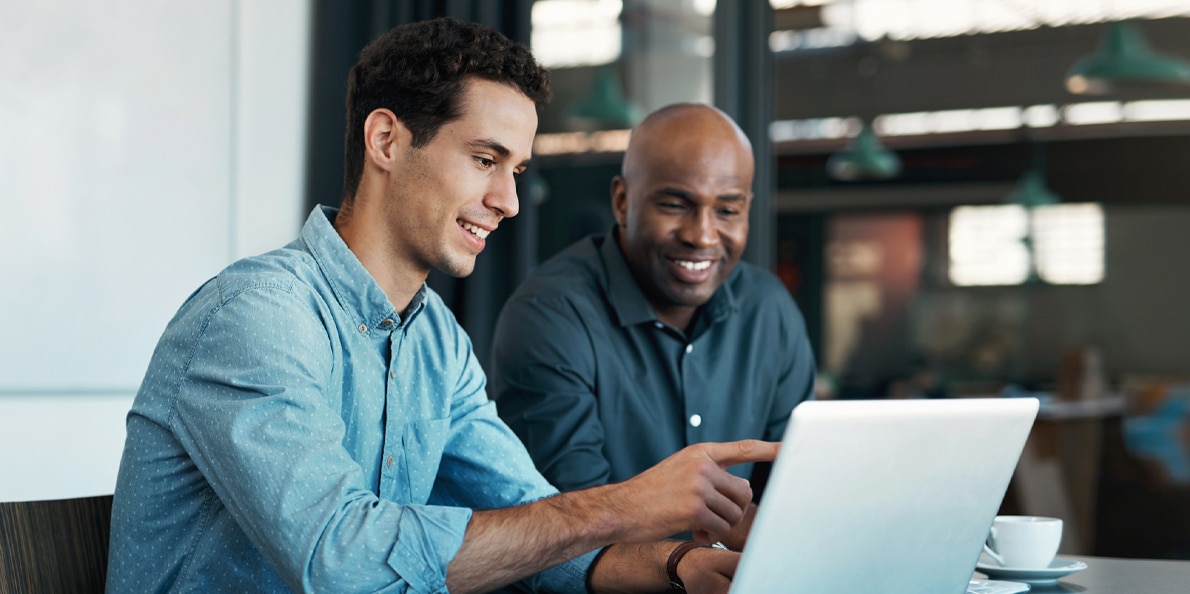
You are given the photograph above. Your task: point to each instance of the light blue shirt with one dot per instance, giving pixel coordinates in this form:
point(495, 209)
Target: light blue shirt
point(294, 432)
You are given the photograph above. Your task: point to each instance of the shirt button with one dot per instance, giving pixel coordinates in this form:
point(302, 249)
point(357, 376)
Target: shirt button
point(389, 462)
point(363, 328)
point(689, 349)
point(695, 420)
point(392, 375)
point(386, 323)
point(659, 324)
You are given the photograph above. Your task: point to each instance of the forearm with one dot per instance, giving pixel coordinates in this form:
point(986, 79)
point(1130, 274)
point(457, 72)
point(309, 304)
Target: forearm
point(505, 545)
point(625, 569)
point(687, 491)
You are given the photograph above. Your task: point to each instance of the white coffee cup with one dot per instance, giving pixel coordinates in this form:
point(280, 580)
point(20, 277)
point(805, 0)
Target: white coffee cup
point(1024, 542)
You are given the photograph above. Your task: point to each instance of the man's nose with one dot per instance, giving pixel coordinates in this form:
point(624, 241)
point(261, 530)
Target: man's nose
point(503, 196)
point(699, 229)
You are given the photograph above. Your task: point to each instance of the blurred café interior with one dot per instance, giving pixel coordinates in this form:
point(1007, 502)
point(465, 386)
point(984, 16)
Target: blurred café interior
point(966, 198)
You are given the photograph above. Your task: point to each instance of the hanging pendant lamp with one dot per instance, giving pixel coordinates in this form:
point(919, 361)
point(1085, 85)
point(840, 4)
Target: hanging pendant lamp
point(604, 107)
point(1031, 191)
point(1124, 58)
point(863, 158)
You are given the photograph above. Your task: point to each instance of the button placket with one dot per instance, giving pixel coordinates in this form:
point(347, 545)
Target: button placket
point(691, 392)
point(392, 441)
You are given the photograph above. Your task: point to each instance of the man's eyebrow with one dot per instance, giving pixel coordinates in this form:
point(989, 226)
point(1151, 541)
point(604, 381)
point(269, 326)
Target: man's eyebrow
point(685, 195)
point(491, 145)
point(497, 148)
point(676, 193)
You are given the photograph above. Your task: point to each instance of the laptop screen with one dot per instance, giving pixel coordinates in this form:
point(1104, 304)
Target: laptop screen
point(883, 496)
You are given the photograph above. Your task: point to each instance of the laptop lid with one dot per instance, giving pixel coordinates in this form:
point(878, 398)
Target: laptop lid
point(883, 496)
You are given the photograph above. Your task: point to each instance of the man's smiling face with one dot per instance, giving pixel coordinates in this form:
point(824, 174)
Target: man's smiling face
point(682, 207)
point(452, 192)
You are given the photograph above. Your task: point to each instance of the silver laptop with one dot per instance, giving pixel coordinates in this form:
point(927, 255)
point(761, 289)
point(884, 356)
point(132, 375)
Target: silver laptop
point(883, 496)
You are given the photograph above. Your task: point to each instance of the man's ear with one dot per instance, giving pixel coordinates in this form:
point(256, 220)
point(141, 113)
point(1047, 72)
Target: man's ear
point(385, 137)
point(620, 199)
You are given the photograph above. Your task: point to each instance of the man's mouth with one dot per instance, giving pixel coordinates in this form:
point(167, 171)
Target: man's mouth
point(694, 265)
point(475, 230)
point(692, 271)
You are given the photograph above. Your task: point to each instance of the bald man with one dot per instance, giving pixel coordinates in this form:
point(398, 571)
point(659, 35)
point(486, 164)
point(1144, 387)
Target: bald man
point(626, 347)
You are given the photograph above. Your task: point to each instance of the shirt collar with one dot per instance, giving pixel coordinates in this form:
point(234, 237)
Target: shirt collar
point(352, 284)
point(629, 301)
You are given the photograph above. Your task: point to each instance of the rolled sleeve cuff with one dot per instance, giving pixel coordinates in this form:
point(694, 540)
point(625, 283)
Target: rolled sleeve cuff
point(428, 539)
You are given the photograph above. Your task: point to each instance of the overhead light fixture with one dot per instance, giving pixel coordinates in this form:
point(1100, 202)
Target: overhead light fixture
point(1031, 191)
point(604, 107)
point(863, 158)
point(1124, 58)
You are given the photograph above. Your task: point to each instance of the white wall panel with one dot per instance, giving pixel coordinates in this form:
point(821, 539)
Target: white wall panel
point(144, 145)
point(115, 177)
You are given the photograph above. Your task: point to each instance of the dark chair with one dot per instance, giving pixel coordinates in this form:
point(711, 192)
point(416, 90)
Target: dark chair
point(54, 546)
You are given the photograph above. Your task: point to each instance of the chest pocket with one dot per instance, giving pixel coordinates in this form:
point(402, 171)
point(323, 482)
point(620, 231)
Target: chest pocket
point(415, 458)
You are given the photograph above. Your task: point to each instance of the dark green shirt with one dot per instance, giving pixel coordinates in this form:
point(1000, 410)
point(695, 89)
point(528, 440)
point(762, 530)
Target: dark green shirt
point(599, 390)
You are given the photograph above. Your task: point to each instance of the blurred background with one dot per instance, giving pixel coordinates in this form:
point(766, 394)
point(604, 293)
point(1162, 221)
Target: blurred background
point(965, 197)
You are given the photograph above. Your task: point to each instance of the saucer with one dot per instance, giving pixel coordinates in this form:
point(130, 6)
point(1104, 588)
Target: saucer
point(996, 587)
point(1038, 577)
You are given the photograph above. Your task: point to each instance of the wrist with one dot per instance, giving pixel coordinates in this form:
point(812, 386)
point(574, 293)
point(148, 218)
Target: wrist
point(675, 557)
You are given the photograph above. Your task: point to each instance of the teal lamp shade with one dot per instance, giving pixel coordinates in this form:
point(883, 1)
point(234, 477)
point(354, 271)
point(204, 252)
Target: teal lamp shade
point(604, 106)
point(1031, 191)
point(1124, 58)
point(863, 158)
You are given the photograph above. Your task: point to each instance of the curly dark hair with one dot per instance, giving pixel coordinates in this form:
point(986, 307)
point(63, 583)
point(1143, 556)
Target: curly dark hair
point(418, 71)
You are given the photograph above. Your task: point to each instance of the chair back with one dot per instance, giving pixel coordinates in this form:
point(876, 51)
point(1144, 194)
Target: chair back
point(54, 546)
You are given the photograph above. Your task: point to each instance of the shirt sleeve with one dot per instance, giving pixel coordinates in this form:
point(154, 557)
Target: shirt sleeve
point(485, 466)
point(543, 373)
point(255, 412)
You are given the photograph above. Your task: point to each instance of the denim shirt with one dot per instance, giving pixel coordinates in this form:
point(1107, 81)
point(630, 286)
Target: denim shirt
point(293, 432)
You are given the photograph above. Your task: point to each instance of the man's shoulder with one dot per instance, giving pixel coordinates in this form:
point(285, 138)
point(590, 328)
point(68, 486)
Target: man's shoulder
point(750, 283)
point(277, 277)
point(574, 273)
point(284, 268)
point(763, 300)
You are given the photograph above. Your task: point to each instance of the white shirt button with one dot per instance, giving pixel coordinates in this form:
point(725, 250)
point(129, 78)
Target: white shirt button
point(689, 349)
point(363, 328)
point(695, 420)
point(659, 324)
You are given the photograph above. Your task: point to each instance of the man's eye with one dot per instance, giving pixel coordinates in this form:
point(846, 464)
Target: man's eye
point(728, 212)
point(485, 162)
point(670, 205)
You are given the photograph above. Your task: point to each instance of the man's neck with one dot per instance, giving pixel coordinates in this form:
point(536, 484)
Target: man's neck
point(399, 281)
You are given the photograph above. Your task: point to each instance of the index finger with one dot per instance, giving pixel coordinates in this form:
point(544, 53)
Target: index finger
point(731, 453)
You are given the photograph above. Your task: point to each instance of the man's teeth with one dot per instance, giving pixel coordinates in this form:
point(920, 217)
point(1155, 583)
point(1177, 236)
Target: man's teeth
point(480, 233)
point(688, 265)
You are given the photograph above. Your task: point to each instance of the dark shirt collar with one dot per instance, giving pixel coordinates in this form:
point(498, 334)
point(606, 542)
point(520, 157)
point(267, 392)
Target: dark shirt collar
point(631, 306)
